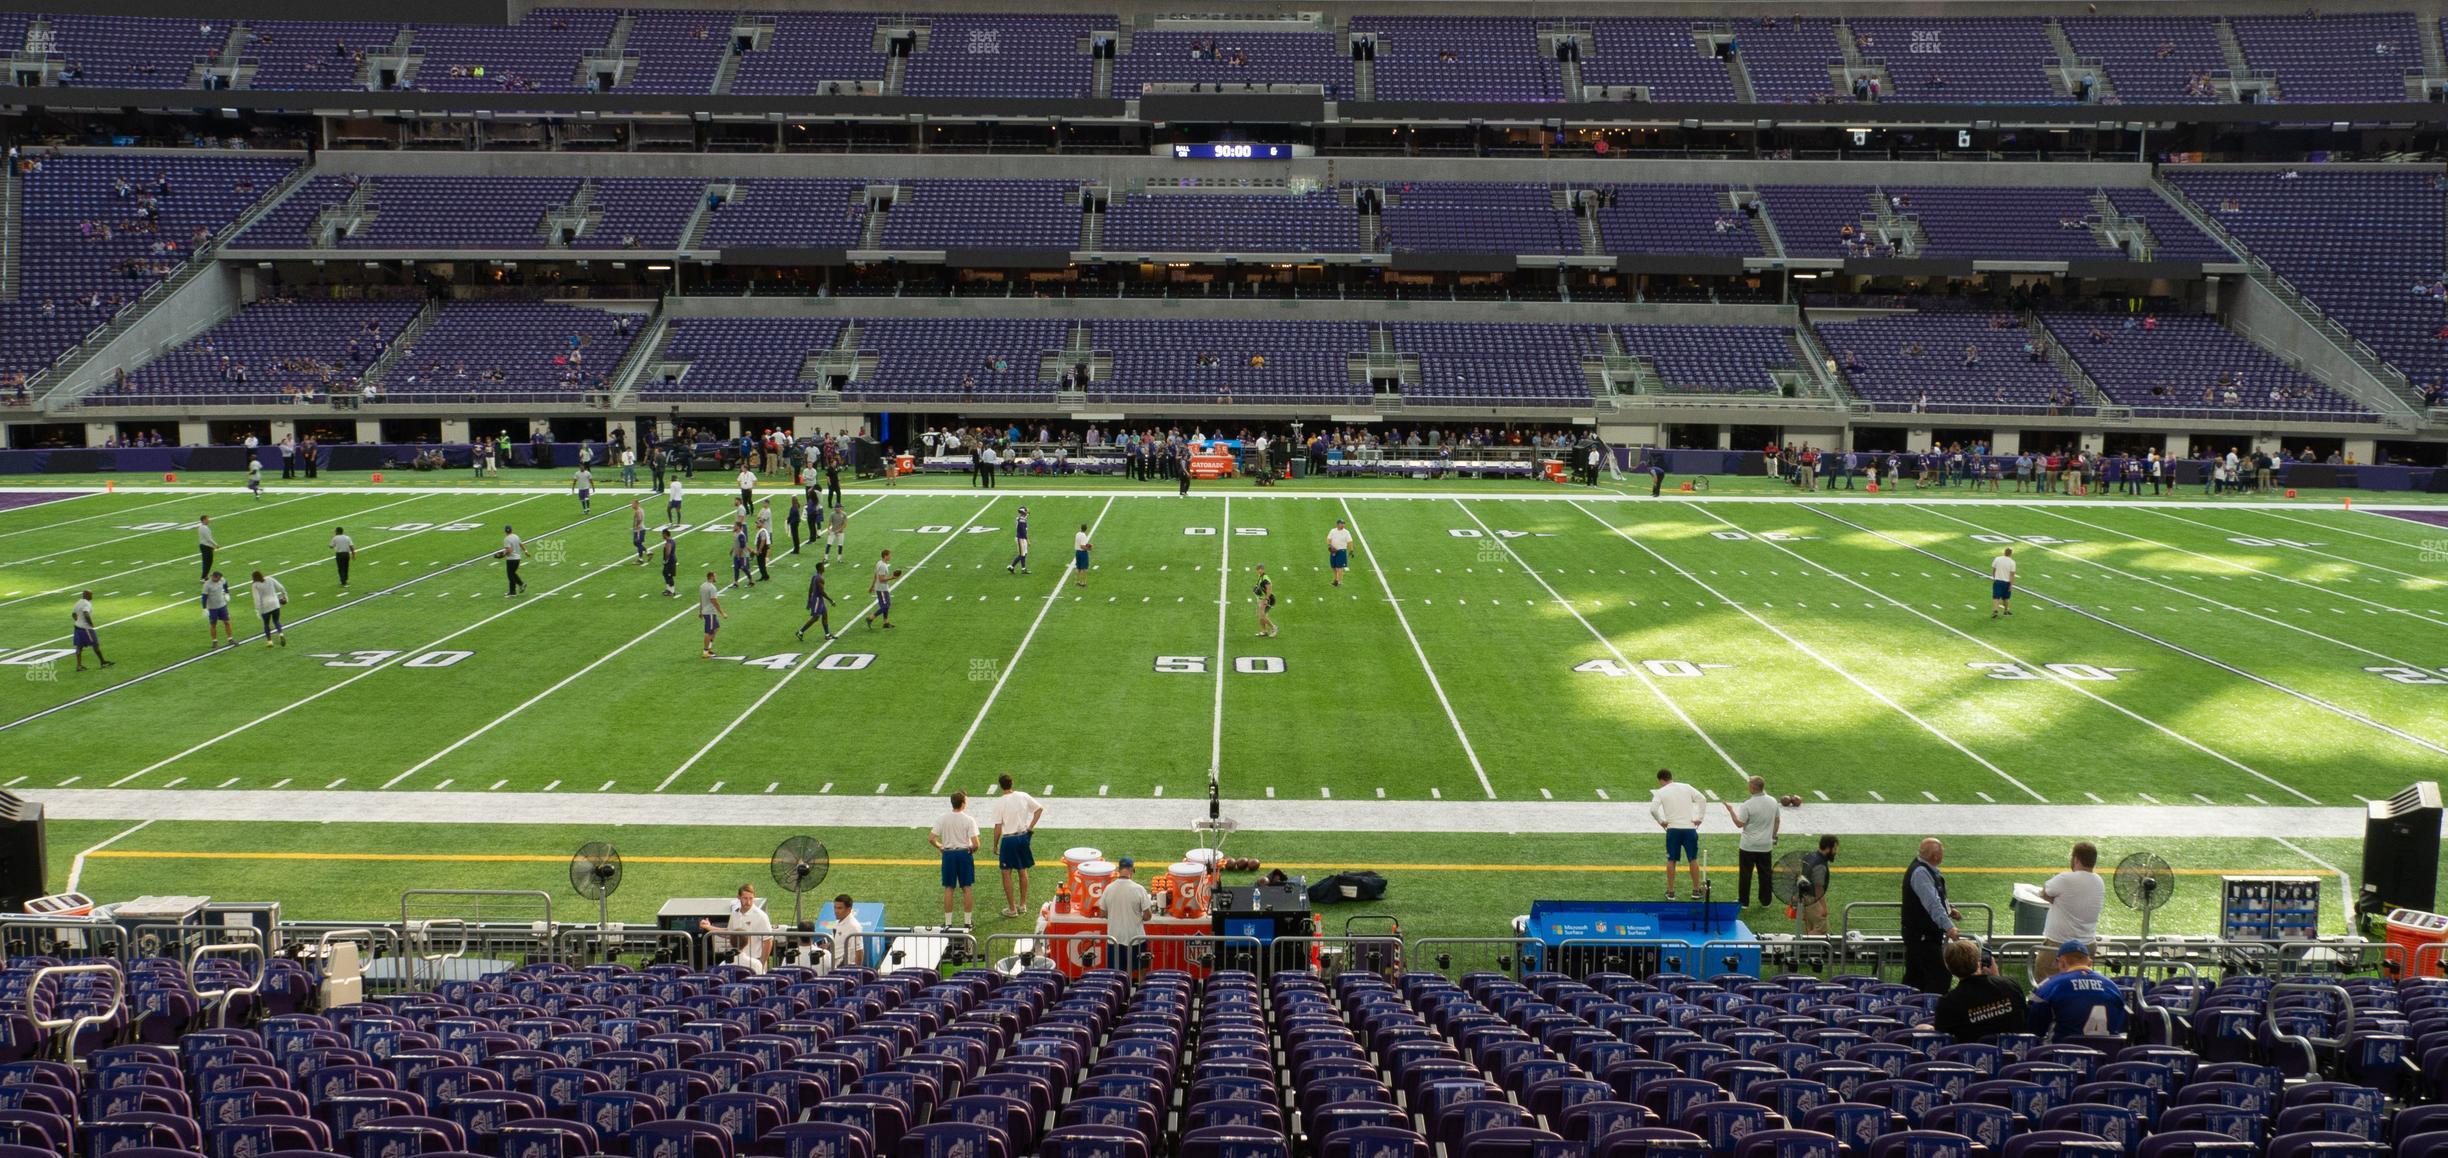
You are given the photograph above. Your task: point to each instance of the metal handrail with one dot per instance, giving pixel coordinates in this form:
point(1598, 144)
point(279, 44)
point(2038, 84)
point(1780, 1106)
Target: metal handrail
point(1987, 913)
point(2307, 1043)
point(421, 934)
point(77, 1025)
point(220, 998)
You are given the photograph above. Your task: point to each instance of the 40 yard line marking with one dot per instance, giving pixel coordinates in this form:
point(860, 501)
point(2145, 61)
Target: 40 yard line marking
point(1061, 576)
point(1823, 661)
point(1638, 672)
point(191, 557)
point(190, 529)
point(793, 673)
point(86, 518)
point(1433, 683)
point(569, 679)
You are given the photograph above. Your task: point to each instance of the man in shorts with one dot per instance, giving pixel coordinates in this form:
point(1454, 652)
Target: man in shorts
point(955, 837)
point(1016, 815)
point(1679, 808)
point(1338, 550)
point(2001, 583)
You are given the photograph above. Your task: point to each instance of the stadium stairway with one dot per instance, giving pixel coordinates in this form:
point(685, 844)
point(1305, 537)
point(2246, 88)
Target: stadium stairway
point(12, 232)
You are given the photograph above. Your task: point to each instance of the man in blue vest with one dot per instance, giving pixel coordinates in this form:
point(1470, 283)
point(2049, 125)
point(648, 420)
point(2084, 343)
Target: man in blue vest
point(1928, 922)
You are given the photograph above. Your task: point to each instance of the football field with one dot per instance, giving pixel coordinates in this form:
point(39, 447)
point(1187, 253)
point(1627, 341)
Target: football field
point(1499, 660)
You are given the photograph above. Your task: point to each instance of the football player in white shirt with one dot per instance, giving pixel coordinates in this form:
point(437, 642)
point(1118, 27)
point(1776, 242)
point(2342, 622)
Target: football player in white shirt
point(1016, 814)
point(955, 836)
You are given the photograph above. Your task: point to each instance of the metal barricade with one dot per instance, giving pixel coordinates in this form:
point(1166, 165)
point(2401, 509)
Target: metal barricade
point(1331, 957)
point(218, 1000)
point(939, 949)
point(1969, 909)
point(1076, 952)
point(32, 936)
point(178, 940)
point(588, 945)
point(78, 1024)
point(1455, 956)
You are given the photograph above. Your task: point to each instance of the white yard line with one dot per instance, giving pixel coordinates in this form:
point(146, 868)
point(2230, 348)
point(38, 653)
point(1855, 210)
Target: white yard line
point(166, 669)
point(385, 665)
point(76, 868)
point(2246, 567)
point(1296, 813)
point(2179, 649)
point(1062, 577)
point(189, 528)
point(1378, 565)
point(505, 717)
point(2027, 665)
point(1638, 672)
point(2363, 513)
point(2346, 887)
point(1824, 661)
point(121, 513)
point(1215, 739)
point(793, 673)
point(191, 557)
point(2352, 562)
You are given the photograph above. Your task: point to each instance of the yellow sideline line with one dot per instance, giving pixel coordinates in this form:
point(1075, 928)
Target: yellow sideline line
point(895, 862)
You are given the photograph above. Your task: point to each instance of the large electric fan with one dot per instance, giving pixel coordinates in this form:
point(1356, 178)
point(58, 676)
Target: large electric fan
point(595, 873)
point(1786, 879)
point(799, 866)
point(2143, 883)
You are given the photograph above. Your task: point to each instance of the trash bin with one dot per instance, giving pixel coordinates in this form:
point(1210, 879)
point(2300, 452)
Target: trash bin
point(2031, 911)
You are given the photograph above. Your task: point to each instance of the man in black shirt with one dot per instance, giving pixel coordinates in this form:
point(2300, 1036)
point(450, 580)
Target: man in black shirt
point(1982, 1004)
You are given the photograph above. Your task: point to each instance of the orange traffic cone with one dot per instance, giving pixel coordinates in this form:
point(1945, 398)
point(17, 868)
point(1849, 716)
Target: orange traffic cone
point(378, 476)
point(170, 476)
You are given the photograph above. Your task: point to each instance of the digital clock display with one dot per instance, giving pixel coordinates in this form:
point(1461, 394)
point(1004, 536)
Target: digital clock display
point(1232, 152)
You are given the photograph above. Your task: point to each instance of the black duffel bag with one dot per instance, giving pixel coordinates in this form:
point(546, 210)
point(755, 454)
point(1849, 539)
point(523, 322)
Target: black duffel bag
point(1361, 885)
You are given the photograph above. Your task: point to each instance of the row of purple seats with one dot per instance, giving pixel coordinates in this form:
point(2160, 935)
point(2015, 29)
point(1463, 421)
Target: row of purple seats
point(2178, 365)
point(739, 357)
point(269, 346)
point(1922, 359)
point(509, 348)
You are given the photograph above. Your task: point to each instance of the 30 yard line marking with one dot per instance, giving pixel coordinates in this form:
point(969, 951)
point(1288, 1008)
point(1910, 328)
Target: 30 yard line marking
point(1823, 661)
point(1636, 669)
point(1351, 521)
point(567, 680)
point(380, 667)
point(792, 674)
point(1062, 576)
point(2043, 671)
point(2179, 649)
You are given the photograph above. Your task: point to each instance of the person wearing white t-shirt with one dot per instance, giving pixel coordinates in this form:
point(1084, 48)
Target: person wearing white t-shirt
point(1338, 550)
point(513, 552)
point(2001, 583)
point(2075, 899)
point(1679, 808)
point(1016, 814)
point(1080, 547)
point(1127, 907)
point(845, 942)
point(955, 836)
point(747, 486)
point(269, 598)
point(344, 549)
point(747, 916)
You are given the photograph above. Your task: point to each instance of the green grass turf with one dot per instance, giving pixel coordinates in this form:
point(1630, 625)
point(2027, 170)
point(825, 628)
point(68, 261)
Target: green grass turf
point(1524, 650)
point(1442, 884)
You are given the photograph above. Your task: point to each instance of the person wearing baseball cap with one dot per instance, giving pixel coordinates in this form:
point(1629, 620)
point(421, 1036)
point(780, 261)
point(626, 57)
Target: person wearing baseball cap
point(1127, 907)
point(2077, 1001)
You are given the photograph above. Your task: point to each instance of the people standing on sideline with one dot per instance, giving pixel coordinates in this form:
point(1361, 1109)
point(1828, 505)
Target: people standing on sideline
point(671, 564)
point(655, 465)
point(1019, 563)
point(1811, 890)
point(835, 530)
point(288, 453)
point(255, 477)
point(1181, 468)
point(1080, 546)
point(1928, 922)
point(710, 610)
point(205, 546)
point(584, 483)
point(628, 465)
point(746, 919)
point(2076, 1002)
point(846, 941)
point(833, 479)
point(269, 598)
point(880, 587)
point(671, 501)
point(83, 632)
point(344, 549)
point(2001, 583)
point(955, 837)
point(1982, 1004)
point(1761, 821)
point(1677, 808)
point(1338, 551)
point(747, 486)
point(2075, 899)
point(819, 606)
point(216, 612)
point(990, 465)
point(1127, 907)
point(1016, 814)
point(1265, 591)
point(791, 517)
point(512, 553)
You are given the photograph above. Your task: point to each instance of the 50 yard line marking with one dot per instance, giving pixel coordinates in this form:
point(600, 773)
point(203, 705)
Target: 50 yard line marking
point(1825, 662)
point(1636, 669)
point(793, 673)
point(505, 717)
point(1433, 683)
point(1061, 577)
